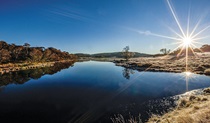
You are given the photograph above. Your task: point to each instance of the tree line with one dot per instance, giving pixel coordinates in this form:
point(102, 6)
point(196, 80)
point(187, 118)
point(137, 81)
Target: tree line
point(24, 53)
point(20, 77)
point(204, 48)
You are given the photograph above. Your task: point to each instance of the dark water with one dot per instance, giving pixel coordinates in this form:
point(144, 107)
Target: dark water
point(87, 92)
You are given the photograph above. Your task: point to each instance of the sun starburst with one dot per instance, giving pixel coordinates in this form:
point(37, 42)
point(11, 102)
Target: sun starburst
point(186, 40)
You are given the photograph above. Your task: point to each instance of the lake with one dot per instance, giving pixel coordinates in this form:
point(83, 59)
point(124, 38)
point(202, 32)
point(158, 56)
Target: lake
point(89, 92)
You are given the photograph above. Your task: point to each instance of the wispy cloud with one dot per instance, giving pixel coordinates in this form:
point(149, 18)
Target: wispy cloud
point(70, 13)
point(145, 32)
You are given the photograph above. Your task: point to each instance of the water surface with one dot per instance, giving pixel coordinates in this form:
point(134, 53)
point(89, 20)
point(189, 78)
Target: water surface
point(88, 92)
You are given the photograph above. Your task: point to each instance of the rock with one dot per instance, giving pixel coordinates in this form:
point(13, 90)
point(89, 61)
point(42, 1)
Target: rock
point(207, 72)
point(198, 72)
point(144, 65)
point(206, 65)
point(207, 90)
point(200, 68)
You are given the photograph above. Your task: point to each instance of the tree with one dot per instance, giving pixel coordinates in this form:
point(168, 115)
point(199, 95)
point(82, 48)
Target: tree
point(126, 54)
point(4, 56)
point(25, 53)
point(165, 51)
point(26, 45)
point(126, 73)
point(18, 53)
point(35, 54)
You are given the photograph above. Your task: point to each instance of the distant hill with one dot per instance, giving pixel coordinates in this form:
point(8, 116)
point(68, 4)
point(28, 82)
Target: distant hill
point(82, 55)
point(205, 48)
point(111, 54)
point(202, 49)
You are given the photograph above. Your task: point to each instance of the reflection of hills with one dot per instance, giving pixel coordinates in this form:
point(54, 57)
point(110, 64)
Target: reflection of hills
point(20, 77)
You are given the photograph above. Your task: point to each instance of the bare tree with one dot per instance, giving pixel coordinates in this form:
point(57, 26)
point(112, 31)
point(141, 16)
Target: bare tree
point(26, 45)
point(165, 51)
point(126, 54)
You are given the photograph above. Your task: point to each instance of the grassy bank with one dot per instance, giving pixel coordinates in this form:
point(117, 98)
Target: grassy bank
point(11, 67)
point(167, 64)
point(190, 109)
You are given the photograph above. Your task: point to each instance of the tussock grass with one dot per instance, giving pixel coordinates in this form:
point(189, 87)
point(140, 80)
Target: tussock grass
point(192, 109)
point(120, 119)
point(189, 109)
point(167, 64)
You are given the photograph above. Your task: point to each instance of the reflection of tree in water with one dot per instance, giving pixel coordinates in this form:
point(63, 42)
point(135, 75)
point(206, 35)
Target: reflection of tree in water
point(127, 72)
point(20, 77)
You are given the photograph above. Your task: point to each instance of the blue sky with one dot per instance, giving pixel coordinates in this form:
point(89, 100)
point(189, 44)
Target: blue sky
point(93, 26)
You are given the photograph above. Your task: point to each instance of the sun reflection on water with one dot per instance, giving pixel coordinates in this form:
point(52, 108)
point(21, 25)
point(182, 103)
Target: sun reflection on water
point(187, 76)
point(188, 73)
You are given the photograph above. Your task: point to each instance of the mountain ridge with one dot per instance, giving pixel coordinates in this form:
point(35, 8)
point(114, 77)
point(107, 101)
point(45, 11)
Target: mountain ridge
point(110, 54)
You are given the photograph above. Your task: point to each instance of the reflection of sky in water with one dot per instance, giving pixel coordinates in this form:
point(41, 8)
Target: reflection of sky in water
point(96, 87)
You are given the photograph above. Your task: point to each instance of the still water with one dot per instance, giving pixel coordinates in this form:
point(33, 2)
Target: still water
point(88, 92)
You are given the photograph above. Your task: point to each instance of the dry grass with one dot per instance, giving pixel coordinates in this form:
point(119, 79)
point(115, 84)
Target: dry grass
point(167, 64)
point(192, 109)
point(120, 119)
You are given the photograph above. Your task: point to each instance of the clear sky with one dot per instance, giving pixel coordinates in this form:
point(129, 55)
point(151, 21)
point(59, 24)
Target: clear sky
point(93, 26)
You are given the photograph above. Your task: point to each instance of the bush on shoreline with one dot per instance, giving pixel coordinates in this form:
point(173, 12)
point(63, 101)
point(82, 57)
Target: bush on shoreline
point(11, 53)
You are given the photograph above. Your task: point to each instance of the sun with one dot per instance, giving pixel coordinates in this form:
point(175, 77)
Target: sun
point(187, 41)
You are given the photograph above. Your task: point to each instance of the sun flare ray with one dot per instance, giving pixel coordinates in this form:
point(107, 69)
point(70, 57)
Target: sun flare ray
point(196, 26)
point(158, 35)
point(180, 52)
point(176, 19)
point(201, 31)
point(188, 23)
point(175, 32)
point(193, 51)
point(174, 43)
point(200, 38)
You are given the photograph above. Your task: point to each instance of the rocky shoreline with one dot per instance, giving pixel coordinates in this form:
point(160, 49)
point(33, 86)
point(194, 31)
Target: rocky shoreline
point(192, 107)
point(13, 67)
point(167, 64)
